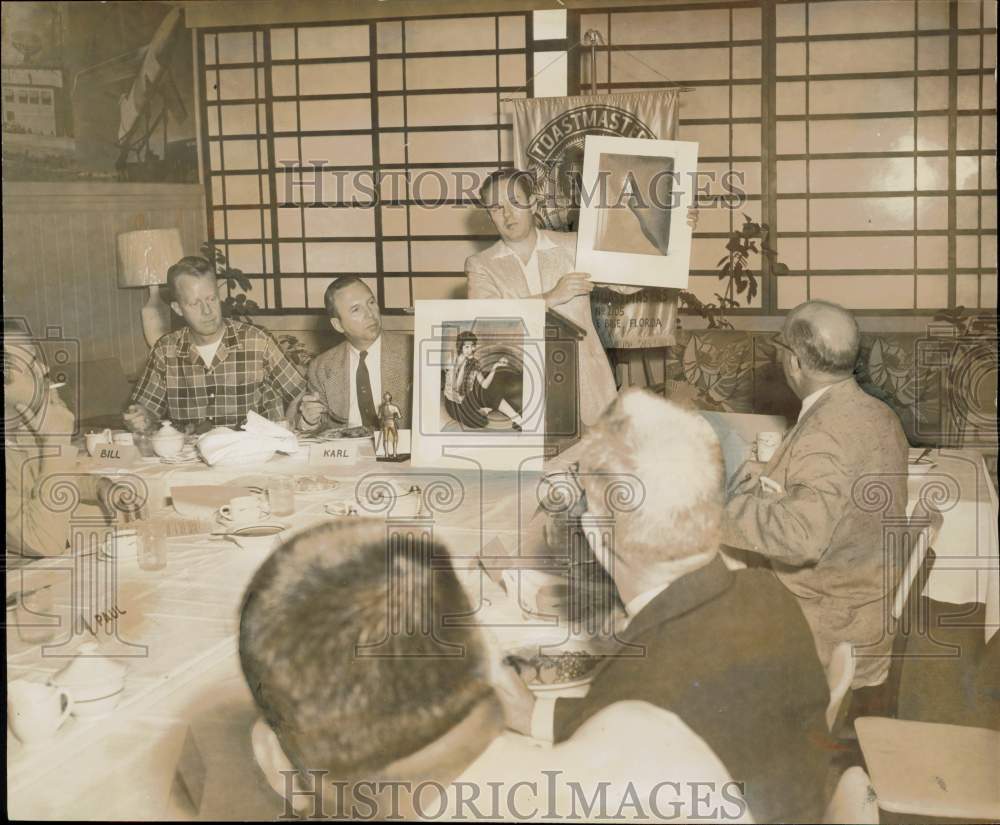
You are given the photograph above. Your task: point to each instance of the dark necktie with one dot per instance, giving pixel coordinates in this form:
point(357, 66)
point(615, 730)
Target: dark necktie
point(363, 384)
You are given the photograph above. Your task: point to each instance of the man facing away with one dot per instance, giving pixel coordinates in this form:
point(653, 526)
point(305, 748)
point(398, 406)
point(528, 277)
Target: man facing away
point(37, 430)
point(375, 701)
point(728, 652)
point(346, 382)
point(808, 514)
point(214, 370)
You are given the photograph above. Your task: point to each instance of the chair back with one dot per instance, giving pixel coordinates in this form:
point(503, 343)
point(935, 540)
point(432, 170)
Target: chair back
point(839, 675)
point(908, 612)
point(100, 393)
point(853, 801)
point(913, 571)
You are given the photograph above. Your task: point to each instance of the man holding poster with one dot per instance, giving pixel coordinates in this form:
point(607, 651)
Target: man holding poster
point(528, 262)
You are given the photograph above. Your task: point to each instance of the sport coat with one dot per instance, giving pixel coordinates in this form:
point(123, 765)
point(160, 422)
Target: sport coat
point(842, 469)
point(493, 274)
point(731, 654)
point(328, 376)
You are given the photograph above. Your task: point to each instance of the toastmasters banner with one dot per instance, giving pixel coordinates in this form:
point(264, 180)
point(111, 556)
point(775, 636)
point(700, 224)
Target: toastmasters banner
point(548, 142)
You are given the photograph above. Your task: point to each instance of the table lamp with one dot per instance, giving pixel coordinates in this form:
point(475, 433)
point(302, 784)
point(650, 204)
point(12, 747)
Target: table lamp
point(143, 260)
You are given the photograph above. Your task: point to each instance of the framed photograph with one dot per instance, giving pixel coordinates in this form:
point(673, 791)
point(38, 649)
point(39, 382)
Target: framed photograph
point(633, 212)
point(479, 384)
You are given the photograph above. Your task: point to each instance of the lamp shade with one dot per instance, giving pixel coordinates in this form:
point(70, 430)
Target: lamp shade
point(145, 256)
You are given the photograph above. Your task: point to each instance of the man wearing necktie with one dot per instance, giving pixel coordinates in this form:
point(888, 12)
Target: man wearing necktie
point(344, 381)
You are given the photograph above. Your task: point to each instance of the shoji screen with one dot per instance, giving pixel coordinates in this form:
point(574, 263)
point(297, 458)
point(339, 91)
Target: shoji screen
point(975, 152)
point(441, 127)
point(717, 52)
point(885, 143)
point(351, 148)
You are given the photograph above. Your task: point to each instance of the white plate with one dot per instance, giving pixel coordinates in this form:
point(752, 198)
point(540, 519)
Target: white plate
point(329, 485)
point(559, 686)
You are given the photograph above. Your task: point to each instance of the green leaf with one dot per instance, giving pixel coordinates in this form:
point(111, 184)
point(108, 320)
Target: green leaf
point(779, 268)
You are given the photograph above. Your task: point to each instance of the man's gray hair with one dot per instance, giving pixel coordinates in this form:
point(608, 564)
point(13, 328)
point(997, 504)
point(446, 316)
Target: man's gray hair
point(672, 460)
point(824, 336)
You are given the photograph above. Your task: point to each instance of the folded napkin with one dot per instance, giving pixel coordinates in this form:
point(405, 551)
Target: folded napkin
point(257, 442)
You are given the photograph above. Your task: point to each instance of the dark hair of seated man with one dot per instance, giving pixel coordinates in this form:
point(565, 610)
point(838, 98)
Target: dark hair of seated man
point(343, 646)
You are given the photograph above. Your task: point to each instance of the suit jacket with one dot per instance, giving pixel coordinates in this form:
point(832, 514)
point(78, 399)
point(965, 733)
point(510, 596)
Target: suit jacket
point(824, 546)
point(328, 376)
point(731, 654)
point(493, 275)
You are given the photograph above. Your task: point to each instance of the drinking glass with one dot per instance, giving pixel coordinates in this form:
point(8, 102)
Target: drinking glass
point(281, 495)
point(151, 544)
point(36, 619)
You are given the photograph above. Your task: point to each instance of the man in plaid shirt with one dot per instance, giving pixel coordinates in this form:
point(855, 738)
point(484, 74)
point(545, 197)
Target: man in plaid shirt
point(215, 370)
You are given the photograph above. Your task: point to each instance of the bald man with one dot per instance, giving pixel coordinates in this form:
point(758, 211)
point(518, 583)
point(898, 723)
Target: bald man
point(802, 511)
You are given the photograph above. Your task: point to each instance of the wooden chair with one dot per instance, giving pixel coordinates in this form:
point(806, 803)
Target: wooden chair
point(839, 675)
point(101, 392)
point(926, 770)
point(853, 801)
point(907, 613)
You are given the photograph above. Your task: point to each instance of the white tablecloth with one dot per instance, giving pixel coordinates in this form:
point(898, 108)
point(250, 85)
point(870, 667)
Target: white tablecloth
point(967, 569)
point(178, 631)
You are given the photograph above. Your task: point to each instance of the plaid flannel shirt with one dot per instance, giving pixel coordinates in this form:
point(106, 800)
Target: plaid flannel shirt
point(249, 372)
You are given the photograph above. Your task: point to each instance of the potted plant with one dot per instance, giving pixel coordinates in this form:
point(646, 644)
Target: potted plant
point(734, 268)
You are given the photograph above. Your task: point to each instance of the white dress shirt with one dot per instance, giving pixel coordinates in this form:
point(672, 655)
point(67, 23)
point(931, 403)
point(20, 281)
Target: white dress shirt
point(374, 364)
point(811, 399)
point(530, 269)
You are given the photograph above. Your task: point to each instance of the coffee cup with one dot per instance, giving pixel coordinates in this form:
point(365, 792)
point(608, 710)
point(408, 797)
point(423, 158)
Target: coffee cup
point(95, 441)
point(767, 445)
point(36, 711)
point(341, 508)
point(539, 592)
point(244, 510)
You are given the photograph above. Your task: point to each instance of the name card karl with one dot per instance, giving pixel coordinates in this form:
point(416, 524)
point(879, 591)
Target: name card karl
point(342, 451)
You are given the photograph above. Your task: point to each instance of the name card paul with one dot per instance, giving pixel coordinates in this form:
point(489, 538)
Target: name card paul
point(343, 452)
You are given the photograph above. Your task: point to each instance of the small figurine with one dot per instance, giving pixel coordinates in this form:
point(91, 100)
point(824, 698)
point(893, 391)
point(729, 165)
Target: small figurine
point(388, 415)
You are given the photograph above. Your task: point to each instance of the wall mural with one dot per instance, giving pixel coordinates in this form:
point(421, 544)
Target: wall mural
point(97, 92)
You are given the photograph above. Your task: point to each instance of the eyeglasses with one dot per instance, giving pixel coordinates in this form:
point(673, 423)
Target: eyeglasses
point(778, 341)
point(565, 488)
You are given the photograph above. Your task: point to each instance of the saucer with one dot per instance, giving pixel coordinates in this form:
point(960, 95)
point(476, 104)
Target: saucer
point(222, 521)
point(261, 536)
